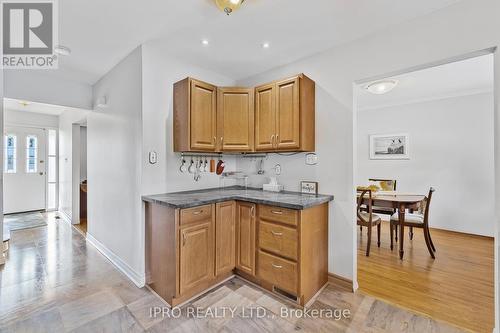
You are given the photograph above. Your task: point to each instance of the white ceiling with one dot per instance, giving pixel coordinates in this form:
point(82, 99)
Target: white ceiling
point(15, 105)
point(100, 33)
point(465, 77)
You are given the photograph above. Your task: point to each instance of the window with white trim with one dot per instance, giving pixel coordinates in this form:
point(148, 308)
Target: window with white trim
point(10, 158)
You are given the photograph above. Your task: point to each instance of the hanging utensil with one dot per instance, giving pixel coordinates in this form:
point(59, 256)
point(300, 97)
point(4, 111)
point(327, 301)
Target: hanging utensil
point(183, 167)
point(191, 166)
point(220, 167)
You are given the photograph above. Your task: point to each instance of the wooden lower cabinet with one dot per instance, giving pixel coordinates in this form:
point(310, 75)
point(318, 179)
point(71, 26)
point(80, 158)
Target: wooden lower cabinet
point(225, 237)
point(245, 237)
point(190, 250)
point(196, 255)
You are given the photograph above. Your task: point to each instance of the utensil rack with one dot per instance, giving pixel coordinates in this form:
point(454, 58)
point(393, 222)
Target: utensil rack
point(221, 155)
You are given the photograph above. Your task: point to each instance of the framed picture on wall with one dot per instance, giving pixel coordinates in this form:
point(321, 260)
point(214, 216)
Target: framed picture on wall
point(390, 146)
point(309, 187)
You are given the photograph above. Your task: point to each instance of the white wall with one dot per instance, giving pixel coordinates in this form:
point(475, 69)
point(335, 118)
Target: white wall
point(44, 86)
point(66, 156)
point(409, 45)
point(160, 72)
point(23, 118)
point(451, 148)
point(114, 142)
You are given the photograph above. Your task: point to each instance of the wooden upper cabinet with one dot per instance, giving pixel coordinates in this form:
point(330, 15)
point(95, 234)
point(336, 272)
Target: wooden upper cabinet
point(235, 119)
point(284, 115)
point(195, 116)
point(265, 117)
point(278, 116)
point(288, 114)
point(225, 237)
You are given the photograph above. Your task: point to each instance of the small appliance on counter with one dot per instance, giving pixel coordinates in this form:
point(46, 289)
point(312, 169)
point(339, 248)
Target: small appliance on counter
point(273, 185)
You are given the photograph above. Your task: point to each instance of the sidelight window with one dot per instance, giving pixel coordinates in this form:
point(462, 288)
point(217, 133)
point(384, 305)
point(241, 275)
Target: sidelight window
point(10, 158)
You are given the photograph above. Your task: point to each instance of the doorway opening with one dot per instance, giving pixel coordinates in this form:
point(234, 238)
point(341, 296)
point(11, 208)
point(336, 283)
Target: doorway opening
point(424, 170)
point(79, 171)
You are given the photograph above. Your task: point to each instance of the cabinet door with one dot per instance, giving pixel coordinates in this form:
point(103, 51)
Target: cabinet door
point(195, 255)
point(203, 113)
point(245, 237)
point(288, 114)
point(265, 117)
point(225, 237)
point(235, 119)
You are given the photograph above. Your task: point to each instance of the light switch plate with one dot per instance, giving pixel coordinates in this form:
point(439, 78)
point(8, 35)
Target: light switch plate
point(311, 159)
point(153, 157)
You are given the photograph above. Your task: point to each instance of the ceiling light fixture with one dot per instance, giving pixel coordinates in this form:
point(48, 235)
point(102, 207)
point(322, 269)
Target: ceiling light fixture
point(62, 50)
point(229, 6)
point(266, 45)
point(204, 42)
point(24, 103)
point(381, 87)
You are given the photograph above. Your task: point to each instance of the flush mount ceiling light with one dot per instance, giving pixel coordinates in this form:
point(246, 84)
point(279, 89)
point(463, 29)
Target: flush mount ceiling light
point(204, 42)
point(265, 45)
point(24, 103)
point(62, 50)
point(381, 87)
point(229, 6)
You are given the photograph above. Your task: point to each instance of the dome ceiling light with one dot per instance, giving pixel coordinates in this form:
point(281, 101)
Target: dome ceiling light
point(229, 6)
point(381, 87)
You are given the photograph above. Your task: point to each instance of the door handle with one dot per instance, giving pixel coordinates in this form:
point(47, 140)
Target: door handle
point(276, 233)
point(41, 173)
point(277, 266)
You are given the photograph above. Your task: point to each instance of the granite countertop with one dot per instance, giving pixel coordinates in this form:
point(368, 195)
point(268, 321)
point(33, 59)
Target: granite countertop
point(285, 199)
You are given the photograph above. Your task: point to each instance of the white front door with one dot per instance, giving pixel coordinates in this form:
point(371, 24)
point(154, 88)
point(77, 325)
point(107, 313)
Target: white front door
point(24, 169)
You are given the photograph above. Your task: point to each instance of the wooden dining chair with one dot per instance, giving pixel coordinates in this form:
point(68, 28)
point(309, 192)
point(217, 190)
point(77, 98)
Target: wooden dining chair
point(417, 220)
point(384, 185)
point(367, 218)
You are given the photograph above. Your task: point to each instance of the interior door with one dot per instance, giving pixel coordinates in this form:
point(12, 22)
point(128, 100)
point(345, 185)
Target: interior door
point(288, 114)
point(203, 116)
point(24, 169)
point(265, 117)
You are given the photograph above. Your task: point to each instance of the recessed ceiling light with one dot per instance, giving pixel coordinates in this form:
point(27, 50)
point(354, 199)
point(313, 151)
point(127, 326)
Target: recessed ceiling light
point(24, 103)
point(204, 42)
point(381, 87)
point(265, 45)
point(62, 50)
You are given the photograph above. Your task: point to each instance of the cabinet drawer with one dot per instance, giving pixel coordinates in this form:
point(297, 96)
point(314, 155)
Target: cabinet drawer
point(200, 213)
point(280, 272)
point(278, 239)
point(278, 214)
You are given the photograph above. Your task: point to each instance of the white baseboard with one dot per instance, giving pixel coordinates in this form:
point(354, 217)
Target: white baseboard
point(138, 279)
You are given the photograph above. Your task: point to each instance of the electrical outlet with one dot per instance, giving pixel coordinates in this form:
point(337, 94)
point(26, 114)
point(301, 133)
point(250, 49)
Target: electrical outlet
point(153, 157)
point(311, 159)
point(277, 169)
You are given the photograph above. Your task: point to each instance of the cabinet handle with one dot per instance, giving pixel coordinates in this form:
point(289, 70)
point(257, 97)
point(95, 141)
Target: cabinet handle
point(252, 211)
point(198, 212)
point(276, 233)
point(272, 140)
point(221, 139)
point(215, 141)
point(277, 140)
point(277, 266)
point(183, 238)
point(279, 212)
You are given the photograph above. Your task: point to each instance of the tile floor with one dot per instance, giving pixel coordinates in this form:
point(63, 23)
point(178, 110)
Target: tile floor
point(54, 281)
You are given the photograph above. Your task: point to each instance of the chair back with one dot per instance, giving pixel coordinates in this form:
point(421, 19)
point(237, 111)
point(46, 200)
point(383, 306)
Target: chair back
point(361, 198)
point(384, 184)
point(427, 204)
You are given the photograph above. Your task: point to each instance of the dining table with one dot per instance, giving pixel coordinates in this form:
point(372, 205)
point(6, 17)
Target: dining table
point(400, 202)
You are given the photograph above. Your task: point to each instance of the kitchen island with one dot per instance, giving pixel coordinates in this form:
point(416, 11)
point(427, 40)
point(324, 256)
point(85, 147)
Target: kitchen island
point(196, 240)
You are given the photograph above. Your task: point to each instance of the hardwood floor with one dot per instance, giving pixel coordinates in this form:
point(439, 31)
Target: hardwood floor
point(82, 226)
point(456, 287)
point(54, 281)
